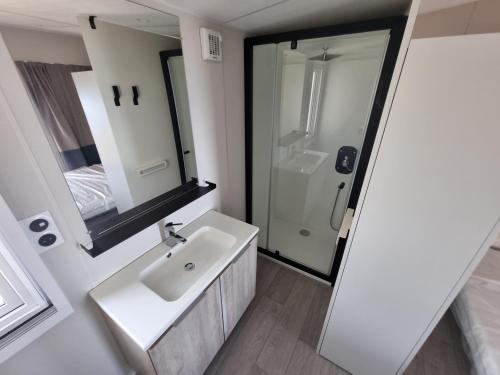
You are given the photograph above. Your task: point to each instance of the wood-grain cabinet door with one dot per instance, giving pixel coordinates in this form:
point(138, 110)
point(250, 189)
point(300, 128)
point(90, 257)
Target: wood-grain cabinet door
point(189, 346)
point(238, 286)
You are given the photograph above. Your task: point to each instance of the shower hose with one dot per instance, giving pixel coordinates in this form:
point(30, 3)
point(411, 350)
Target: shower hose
point(339, 189)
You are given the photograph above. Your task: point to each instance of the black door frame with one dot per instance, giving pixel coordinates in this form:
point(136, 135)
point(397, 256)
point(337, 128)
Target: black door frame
point(396, 25)
point(164, 56)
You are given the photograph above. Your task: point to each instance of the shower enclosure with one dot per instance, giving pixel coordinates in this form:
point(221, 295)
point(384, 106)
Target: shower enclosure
point(313, 103)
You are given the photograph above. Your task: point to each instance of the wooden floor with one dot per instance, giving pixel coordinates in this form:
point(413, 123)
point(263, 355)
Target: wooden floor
point(442, 353)
point(278, 333)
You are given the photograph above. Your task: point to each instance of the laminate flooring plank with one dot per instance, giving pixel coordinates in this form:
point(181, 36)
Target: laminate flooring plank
point(243, 350)
point(280, 344)
point(306, 361)
point(255, 370)
point(442, 352)
point(266, 272)
point(280, 288)
point(416, 366)
point(311, 330)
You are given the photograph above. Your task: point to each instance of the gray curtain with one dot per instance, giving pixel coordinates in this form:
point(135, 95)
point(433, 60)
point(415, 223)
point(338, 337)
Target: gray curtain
point(54, 94)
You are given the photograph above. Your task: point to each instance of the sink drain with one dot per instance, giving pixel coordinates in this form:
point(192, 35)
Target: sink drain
point(304, 232)
point(189, 266)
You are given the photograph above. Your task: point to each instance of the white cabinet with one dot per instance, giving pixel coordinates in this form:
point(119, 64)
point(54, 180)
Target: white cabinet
point(431, 209)
point(190, 344)
point(194, 340)
point(238, 286)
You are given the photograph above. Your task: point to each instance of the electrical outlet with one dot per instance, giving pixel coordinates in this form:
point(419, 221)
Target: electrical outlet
point(42, 231)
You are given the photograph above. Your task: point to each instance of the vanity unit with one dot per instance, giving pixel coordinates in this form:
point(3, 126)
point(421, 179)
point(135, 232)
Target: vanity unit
point(172, 309)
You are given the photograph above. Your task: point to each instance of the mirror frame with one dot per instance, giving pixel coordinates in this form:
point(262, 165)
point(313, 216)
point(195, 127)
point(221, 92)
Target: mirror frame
point(164, 56)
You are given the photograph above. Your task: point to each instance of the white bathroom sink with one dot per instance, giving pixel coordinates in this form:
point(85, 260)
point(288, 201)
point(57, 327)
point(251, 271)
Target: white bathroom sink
point(304, 161)
point(298, 182)
point(171, 277)
point(146, 297)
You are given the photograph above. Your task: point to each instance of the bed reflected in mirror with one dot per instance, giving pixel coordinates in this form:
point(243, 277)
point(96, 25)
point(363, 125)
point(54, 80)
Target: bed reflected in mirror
point(114, 107)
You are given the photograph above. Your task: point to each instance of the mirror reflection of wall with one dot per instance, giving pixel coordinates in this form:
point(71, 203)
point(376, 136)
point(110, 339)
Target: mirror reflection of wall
point(115, 153)
point(302, 81)
point(292, 90)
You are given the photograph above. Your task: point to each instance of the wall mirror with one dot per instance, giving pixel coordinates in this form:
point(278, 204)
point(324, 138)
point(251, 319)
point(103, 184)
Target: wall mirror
point(111, 94)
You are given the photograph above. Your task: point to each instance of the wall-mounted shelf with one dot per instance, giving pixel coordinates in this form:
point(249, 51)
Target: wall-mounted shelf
point(119, 228)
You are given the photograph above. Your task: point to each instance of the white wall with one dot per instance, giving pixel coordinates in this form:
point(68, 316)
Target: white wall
point(81, 344)
point(233, 71)
point(205, 83)
point(42, 46)
point(143, 133)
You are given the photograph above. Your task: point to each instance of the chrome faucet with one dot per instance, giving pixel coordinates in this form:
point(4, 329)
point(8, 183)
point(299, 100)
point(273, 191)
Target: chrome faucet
point(173, 238)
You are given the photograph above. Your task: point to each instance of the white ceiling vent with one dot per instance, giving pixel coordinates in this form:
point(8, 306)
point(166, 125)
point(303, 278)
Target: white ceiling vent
point(211, 44)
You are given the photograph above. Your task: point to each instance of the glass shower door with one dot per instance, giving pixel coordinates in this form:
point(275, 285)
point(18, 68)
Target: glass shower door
point(324, 93)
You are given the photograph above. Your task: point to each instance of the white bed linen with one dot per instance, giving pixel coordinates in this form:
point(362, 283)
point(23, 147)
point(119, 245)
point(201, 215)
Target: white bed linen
point(90, 190)
point(477, 311)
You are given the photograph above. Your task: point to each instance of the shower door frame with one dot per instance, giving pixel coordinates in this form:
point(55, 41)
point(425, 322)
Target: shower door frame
point(396, 25)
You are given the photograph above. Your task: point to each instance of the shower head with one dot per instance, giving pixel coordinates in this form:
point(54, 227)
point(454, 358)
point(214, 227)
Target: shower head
point(325, 56)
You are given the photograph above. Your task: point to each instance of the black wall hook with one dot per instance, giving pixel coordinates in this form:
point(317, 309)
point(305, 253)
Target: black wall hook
point(135, 92)
point(116, 92)
point(92, 22)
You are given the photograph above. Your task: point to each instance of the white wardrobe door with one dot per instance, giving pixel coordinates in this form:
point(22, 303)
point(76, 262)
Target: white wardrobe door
point(433, 199)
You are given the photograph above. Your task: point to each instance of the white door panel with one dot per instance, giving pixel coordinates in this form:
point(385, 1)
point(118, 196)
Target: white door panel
point(433, 199)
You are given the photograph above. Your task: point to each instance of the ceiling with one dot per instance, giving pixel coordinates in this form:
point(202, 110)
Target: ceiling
point(264, 16)
point(428, 6)
point(252, 16)
point(61, 15)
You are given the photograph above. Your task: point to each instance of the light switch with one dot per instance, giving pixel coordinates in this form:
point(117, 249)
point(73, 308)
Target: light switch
point(42, 231)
